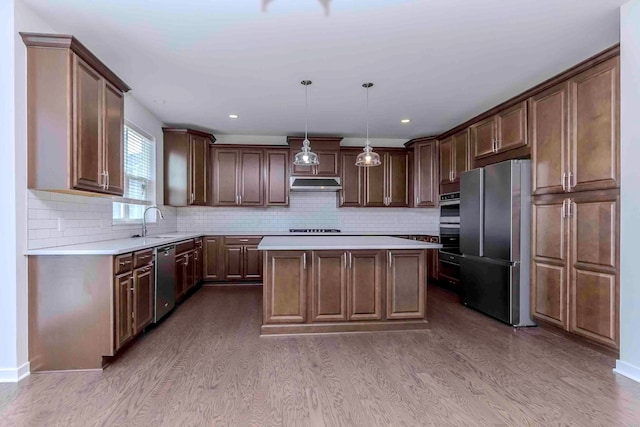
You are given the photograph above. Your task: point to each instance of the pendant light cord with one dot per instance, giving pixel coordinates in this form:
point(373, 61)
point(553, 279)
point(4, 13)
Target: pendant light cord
point(306, 112)
point(367, 116)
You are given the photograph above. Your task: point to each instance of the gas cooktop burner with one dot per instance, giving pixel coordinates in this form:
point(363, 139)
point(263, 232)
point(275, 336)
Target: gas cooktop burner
point(314, 230)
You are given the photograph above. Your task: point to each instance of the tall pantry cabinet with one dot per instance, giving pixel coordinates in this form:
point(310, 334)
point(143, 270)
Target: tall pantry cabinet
point(574, 130)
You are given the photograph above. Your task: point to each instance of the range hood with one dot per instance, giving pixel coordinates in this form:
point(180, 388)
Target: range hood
point(315, 183)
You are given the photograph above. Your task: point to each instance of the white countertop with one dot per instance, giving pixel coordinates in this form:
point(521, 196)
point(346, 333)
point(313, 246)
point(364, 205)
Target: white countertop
point(295, 243)
point(123, 246)
point(115, 247)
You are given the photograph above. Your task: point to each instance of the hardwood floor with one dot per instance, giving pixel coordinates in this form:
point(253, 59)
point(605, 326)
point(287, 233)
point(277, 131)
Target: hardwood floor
point(207, 366)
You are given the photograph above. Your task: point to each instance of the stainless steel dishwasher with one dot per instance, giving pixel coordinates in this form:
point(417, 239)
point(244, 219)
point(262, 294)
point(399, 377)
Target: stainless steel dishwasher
point(165, 281)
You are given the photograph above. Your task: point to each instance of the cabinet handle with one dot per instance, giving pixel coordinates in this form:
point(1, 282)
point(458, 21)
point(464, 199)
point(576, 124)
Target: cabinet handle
point(240, 196)
point(570, 181)
point(570, 203)
point(564, 183)
point(244, 240)
point(304, 261)
point(108, 180)
point(564, 204)
point(389, 259)
point(417, 202)
point(104, 179)
point(451, 176)
point(350, 260)
point(286, 200)
point(346, 263)
point(341, 199)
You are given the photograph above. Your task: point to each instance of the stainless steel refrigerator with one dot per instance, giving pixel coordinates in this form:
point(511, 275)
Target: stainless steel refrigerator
point(495, 236)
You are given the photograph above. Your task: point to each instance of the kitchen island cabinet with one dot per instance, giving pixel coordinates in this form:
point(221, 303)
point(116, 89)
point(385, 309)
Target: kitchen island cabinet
point(320, 284)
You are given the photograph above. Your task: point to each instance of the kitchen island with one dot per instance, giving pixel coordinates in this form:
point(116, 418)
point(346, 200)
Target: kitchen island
point(322, 284)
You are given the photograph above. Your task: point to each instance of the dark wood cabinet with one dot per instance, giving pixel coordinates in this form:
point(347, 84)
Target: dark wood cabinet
point(388, 184)
point(594, 128)
point(238, 177)
point(123, 309)
point(548, 133)
point(365, 284)
point(75, 118)
point(328, 151)
point(198, 261)
point(446, 161)
point(186, 153)
point(351, 177)
point(143, 297)
point(329, 286)
point(433, 260)
point(277, 177)
point(406, 284)
point(454, 159)
point(574, 277)
point(285, 298)
point(501, 132)
point(425, 173)
point(182, 276)
point(212, 266)
point(242, 259)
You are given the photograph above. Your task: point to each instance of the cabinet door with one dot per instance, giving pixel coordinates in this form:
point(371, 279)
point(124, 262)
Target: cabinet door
point(433, 260)
point(425, 174)
point(374, 184)
point(277, 177)
point(329, 163)
point(211, 264)
point(233, 262)
point(191, 270)
point(365, 279)
point(446, 161)
point(406, 284)
point(225, 177)
point(595, 128)
point(252, 263)
point(512, 127)
point(594, 269)
point(143, 293)
point(123, 309)
point(114, 139)
point(285, 287)
point(197, 266)
point(251, 178)
point(329, 286)
point(397, 179)
point(181, 276)
point(549, 265)
point(460, 154)
point(199, 151)
point(548, 129)
point(351, 175)
point(483, 136)
point(88, 90)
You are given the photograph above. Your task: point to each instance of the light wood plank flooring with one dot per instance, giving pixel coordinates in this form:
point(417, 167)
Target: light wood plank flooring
point(206, 366)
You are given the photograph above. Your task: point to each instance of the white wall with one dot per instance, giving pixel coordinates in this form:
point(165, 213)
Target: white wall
point(282, 140)
point(8, 256)
point(629, 363)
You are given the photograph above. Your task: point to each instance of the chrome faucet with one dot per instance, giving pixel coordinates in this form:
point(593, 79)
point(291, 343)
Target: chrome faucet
point(144, 219)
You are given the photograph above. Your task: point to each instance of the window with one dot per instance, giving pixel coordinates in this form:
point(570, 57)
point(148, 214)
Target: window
point(139, 173)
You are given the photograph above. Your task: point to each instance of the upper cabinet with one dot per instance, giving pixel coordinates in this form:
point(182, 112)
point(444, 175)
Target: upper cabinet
point(574, 132)
point(75, 119)
point(425, 173)
point(387, 185)
point(328, 151)
point(454, 158)
point(185, 157)
point(351, 179)
point(501, 132)
point(277, 177)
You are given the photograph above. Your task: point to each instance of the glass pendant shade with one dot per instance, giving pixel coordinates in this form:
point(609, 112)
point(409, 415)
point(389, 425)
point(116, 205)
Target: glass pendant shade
point(306, 157)
point(368, 157)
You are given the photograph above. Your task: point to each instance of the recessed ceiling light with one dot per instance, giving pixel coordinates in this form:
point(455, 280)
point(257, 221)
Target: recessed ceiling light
point(233, 116)
point(405, 121)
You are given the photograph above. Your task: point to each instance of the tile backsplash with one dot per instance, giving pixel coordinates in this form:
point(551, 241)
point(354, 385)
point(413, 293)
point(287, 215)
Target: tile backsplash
point(308, 210)
point(57, 219)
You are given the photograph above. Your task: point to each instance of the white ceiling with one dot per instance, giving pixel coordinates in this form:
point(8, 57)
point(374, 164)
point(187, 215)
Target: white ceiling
point(438, 62)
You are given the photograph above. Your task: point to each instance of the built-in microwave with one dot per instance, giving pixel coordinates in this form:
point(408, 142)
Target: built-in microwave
point(450, 208)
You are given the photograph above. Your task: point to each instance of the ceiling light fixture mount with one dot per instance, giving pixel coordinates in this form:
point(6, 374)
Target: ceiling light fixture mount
point(306, 157)
point(233, 116)
point(405, 121)
point(368, 157)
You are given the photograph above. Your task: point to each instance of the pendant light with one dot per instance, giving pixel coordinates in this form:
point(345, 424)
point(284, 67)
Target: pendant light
point(368, 157)
point(306, 157)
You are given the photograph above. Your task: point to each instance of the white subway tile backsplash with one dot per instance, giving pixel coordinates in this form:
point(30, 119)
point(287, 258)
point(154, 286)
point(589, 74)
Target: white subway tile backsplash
point(56, 219)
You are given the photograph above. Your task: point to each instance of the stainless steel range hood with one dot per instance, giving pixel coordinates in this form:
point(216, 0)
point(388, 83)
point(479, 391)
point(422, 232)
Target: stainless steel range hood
point(315, 183)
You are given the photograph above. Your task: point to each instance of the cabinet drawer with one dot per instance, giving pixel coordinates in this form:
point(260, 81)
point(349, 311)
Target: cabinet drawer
point(142, 258)
point(185, 246)
point(198, 243)
point(123, 263)
point(247, 240)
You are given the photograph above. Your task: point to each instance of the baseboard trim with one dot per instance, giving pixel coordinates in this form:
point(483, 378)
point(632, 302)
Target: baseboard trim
point(627, 370)
point(342, 327)
point(13, 375)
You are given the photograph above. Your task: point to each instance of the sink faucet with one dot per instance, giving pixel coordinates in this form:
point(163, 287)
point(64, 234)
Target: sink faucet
point(144, 219)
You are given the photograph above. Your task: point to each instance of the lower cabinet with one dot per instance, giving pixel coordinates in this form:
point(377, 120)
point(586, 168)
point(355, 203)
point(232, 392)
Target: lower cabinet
point(329, 286)
point(241, 258)
point(134, 293)
point(285, 287)
point(212, 267)
point(365, 281)
point(406, 284)
point(182, 265)
point(575, 264)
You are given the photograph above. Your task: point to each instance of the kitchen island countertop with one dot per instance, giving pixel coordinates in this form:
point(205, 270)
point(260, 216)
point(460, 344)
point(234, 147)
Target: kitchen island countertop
point(295, 243)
